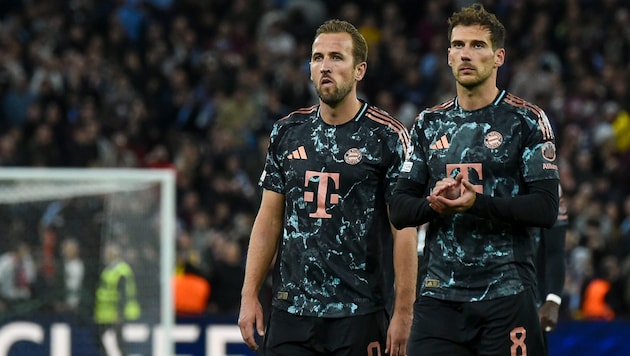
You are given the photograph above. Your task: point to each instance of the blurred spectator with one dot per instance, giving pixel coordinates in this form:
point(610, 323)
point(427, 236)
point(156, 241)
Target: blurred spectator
point(17, 275)
point(227, 277)
point(42, 149)
point(200, 229)
point(624, 228)
point(16, 102)
point(191, 289)
point(186, 252)
point(621, 130)
point(275, 41)
point(9, 153)
point(579, 271)
point(603, 295)
point(71, 273)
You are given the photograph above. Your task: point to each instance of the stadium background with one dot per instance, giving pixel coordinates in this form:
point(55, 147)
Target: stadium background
point(194, 86)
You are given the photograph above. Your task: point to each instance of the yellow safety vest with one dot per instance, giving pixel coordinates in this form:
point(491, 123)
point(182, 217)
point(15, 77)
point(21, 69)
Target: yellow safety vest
point(108, 298)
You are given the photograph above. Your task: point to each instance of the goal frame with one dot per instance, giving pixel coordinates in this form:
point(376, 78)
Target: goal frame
point(166, 179)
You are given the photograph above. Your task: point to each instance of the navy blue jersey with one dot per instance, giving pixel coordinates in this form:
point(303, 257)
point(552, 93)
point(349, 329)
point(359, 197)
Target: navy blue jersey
point(336, 180)
point(498, 148)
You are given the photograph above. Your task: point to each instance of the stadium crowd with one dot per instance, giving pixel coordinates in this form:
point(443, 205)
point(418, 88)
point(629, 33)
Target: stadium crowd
point(194, 85)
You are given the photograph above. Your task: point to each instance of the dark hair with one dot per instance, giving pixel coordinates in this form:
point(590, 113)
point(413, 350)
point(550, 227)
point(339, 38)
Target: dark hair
point(476, 14)
point(359, 44)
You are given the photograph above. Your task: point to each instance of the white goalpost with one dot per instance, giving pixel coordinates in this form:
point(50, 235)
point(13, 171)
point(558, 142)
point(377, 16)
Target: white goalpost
point(43, 207)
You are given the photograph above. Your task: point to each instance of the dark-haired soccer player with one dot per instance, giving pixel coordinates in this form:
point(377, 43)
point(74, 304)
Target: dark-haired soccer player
point(329, 174)
point(488, 159)
point(551, 268)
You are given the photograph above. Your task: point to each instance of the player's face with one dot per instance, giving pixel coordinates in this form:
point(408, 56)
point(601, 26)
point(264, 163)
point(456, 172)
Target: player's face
point(471, 57)
point(333, 71)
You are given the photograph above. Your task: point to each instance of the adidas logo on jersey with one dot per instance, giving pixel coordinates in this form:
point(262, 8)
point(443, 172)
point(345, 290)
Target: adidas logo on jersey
point(300, 153)
point(442, 143)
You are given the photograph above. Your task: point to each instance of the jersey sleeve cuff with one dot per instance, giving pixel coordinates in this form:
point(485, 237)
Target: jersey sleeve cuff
point(554, 298)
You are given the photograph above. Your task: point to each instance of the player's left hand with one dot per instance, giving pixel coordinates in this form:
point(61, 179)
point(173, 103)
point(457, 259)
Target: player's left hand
point(548, 314)
point(439, 198)
point(448, 188)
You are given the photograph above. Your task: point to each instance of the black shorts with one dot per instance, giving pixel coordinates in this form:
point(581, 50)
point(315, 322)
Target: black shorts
point(506, 326)
point(295, 335)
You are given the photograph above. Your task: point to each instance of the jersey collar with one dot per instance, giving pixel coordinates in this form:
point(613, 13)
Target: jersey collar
point(360, 113)
point(496, 101)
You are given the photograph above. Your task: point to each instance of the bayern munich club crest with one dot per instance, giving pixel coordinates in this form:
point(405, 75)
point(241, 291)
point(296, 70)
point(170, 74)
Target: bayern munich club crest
point(353, 156)
point(549, 151)
point(493, 140)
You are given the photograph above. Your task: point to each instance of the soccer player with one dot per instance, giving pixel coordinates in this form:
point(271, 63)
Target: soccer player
point(330, 171)
point(483, 174)
point(551, 267)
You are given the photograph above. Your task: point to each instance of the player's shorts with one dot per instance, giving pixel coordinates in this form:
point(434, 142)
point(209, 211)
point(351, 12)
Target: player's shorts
point(361, 335)
point(506, 326)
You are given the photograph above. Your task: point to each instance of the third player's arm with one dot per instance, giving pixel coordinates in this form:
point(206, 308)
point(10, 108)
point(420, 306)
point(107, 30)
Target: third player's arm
point(554, 255)
point(554, 240)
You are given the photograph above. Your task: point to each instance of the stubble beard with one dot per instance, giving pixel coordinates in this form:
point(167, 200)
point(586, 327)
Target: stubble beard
point(471, 81)
point(335, 96)
point(468, 81)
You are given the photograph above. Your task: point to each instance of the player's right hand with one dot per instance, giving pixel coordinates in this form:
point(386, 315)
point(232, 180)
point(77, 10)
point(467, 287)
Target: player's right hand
point(448, 187)
point(548, 314)
point(250, 316)
point(445, 206)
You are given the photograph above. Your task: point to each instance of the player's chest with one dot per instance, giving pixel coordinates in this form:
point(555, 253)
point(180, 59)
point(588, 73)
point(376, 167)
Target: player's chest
point(470, 139)
point(352, 151)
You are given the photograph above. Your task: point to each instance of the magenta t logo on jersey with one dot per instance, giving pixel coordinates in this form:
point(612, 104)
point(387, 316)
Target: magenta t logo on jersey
point(466, 169)
point(322, 192)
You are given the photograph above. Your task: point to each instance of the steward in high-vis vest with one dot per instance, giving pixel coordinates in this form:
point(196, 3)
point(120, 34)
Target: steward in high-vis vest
point(108, 298)
point(115, 300)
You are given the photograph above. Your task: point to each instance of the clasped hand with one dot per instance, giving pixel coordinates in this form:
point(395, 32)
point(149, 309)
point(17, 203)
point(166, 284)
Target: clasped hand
point(452, 195)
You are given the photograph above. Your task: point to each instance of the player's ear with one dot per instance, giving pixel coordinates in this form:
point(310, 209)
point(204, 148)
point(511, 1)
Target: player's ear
point(499, 57)
point(359, 71)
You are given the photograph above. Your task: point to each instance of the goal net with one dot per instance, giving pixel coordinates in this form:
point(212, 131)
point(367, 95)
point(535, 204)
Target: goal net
point(47, 298)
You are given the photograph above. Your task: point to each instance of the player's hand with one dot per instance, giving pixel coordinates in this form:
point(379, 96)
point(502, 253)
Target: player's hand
point(449, 188)
point(250, 316)
point(548, 315)
point(440, 198)
point(398, 334)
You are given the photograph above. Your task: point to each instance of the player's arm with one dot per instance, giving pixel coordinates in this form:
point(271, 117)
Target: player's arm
point(554, 255)
point(553, 242)
point(263, 244)
point(409, 206)
point(405, 277)
point(539, 207)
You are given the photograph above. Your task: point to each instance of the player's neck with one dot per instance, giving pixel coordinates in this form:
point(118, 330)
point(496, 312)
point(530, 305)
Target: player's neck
point(341, 113)
point(477, 97)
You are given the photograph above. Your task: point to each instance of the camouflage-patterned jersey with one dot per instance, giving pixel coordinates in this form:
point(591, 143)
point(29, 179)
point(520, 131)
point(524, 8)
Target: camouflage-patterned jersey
point(336, 181)
point(498, 148)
